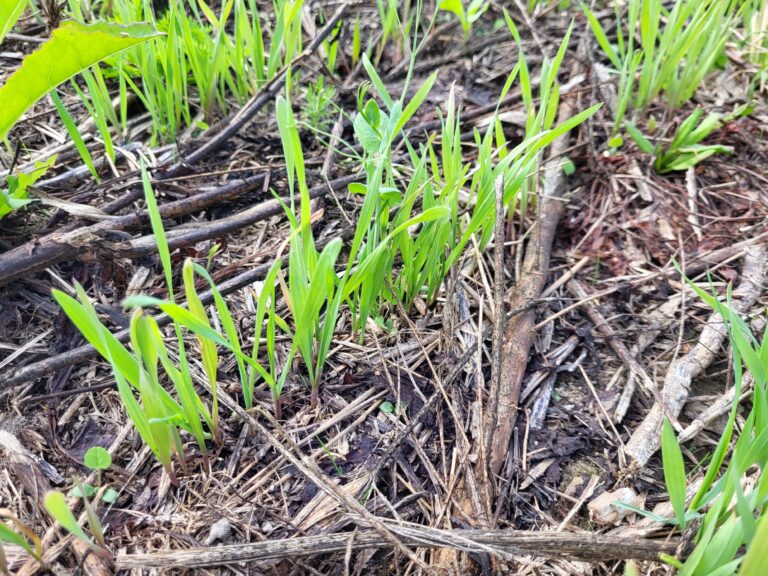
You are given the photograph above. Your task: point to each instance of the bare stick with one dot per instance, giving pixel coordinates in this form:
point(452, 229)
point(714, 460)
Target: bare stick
point(519, 333)
point(81, 353)
point(589, 547)
point(646, 438)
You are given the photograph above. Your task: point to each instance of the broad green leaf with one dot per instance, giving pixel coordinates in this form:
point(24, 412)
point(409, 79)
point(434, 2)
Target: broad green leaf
point(10, 12)
point(387, 407)
point(72, 47)
point(57, 507)
point(372, 113)
point(368, 137)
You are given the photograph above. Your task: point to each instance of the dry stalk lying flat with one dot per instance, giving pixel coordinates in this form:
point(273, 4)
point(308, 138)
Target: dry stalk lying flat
point(257, 213)
point(224, 130)
point(71, 241)
point(588, 547)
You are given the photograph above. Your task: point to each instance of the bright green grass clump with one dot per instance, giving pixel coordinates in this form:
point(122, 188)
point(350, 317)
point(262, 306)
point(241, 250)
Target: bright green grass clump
point(677, 48)
point(204, 60)
point(414, 222)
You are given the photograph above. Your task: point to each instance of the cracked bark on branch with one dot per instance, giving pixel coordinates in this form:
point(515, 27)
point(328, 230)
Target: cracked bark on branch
point(548, 544)
point(646, 439)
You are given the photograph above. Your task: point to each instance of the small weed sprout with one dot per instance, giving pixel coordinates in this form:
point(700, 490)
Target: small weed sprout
point(467, 14)
point(319, 110)
point(684, 150)
point(56, 504)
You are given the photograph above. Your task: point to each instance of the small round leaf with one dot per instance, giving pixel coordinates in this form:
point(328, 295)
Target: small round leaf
point(387, 407)
point(97, 458)
point(110, 495)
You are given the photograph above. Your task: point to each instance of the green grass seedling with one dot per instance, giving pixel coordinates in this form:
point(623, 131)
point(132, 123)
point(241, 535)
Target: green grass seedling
point(74, 133)
point(677, 48)
point(56, 504)
point(313, 290)
point(730, 500)
point(424, 252)
point(391, 25)
point(204, 57)
point(158, 417)
point(265, 311)
point(468, 14)
point(519, 165)
point(22, 536)
point(684, 151)
point(376, 130)
point(194, 409)
point(249, 368)
point(208, 353)
point(155, 414)
point(674, 472)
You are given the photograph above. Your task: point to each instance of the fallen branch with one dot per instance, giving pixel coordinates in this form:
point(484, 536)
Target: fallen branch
point(646, 439)
point(72, 242)
point(602, 326)
point(188, 236)
point(519, 333)
point(501, 415)
point(287, 448)
point(718, 408)
point(75, 355)
point(586, 547)
point(81, 353)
